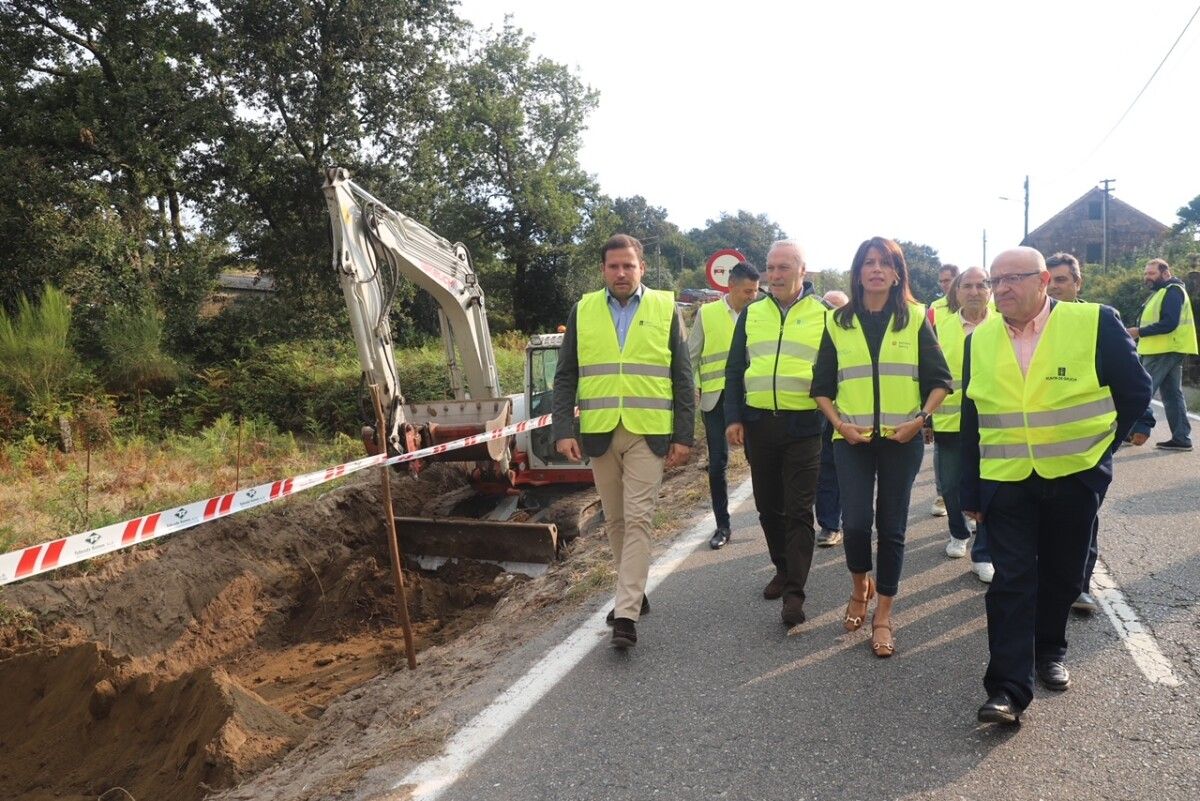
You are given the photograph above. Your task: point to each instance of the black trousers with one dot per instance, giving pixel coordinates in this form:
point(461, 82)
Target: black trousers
point(783, 469)
point(1039, 531)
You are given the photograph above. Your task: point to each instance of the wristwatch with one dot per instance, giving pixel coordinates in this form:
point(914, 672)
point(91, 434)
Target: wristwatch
point(923, 416)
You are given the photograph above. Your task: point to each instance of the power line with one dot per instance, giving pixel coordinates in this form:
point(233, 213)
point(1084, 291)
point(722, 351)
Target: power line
point(1148, 82)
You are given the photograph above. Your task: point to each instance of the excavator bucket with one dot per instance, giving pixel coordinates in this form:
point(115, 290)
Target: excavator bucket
point(527, 548)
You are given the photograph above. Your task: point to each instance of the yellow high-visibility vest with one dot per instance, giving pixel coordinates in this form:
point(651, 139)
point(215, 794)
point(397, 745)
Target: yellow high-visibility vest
point(941, 309)
point(718, 333)
point(630, 386)
point(782, 350)
point(952, 337)
point(899, 385)
point(1056, 419)
point(1181, 340)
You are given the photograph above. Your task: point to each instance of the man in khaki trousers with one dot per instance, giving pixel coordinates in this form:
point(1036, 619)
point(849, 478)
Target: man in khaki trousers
point(625, 363)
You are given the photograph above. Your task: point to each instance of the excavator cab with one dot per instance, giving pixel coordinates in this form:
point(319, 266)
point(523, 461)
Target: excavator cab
point(544, 464)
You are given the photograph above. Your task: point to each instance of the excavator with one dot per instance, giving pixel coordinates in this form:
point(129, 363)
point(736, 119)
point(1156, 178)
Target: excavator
point(520, 478)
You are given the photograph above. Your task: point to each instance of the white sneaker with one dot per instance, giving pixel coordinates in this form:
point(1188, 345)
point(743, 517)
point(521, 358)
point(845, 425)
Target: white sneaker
point(972, 526)
point(984, 570)
point(956, 549)
point(939, 507)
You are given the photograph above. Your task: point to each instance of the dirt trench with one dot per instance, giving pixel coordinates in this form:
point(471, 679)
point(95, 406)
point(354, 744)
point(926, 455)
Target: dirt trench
point(187, 666)
point(260, 657)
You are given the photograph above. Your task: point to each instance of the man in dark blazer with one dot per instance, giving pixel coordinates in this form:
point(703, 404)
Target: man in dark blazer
point(1039, 527)
point(625, 361)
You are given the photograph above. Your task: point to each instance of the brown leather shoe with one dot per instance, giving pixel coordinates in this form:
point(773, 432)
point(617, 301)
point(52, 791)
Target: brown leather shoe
point(774, 588)
point(624, 634)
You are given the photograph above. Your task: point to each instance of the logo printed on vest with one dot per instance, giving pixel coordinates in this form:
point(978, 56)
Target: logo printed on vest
point(1062, 376)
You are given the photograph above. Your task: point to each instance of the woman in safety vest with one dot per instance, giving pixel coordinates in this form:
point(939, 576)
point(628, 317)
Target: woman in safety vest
point(879, 376)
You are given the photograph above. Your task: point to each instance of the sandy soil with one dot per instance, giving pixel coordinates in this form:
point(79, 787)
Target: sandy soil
point(260, 657)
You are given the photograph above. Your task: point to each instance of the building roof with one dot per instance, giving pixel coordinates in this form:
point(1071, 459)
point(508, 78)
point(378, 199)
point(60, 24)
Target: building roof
point(1096, 193)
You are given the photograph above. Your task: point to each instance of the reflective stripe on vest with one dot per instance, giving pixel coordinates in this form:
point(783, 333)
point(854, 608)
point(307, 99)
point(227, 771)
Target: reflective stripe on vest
point(781, 351)
point(952, 337)
point(1056, 419)
point(1181, 340)
point(717, 325)
point(630, 386)
point(899, 388)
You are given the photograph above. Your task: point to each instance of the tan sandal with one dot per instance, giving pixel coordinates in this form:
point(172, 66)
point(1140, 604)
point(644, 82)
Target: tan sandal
point(882, 649)
point(854, 622)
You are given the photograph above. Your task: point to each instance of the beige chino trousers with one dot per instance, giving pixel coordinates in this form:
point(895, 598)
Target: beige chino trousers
point(628, 476)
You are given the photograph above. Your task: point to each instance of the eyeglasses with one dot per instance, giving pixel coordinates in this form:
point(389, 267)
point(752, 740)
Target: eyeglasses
point(998, 281)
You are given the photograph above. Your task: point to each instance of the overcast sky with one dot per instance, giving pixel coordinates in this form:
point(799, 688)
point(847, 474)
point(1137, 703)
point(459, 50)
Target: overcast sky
point(910, 120)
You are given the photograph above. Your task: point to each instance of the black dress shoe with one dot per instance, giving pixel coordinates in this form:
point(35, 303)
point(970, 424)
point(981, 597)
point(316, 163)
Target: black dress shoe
point(608, 621)
point(720, 539)
point(624, 633)
point(774, 588)
point(1054, 675)
point(999, 709)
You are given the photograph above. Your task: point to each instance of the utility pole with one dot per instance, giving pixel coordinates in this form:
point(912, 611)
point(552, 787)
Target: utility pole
point(1104, 221)
point(1026, 208)
point(985, 264)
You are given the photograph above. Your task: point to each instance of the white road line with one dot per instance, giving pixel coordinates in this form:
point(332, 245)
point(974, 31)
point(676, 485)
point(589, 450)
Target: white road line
point(1158, 403)
point(1142, 646)
point(432, 778)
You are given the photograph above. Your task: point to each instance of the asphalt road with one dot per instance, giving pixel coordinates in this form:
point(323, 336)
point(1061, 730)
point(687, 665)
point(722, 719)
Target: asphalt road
point(716, 701)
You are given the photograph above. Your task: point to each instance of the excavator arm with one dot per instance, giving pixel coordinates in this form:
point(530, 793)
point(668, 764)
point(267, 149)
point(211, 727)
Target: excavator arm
point(374, 247)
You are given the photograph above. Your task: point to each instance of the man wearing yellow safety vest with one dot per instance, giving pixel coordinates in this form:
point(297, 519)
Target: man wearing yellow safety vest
point(1050, 388)
point(768, 409)
point(1066, 281)
point(708, 347)
point(1165, 333)
point(938, 310)
point(624, 362)
point(972, 293)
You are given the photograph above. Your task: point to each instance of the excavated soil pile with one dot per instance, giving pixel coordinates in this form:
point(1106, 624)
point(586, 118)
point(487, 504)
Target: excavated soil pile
point(187, 666)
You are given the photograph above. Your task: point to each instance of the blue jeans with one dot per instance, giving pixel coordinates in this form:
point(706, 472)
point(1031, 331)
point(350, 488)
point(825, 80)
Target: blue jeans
point(859, 467)
point(829, 504)
point(1166, 378)
point(718, 461)
point(947, 456)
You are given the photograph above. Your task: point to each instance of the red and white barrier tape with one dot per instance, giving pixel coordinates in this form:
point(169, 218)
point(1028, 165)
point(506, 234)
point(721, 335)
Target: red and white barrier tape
point(47, 556)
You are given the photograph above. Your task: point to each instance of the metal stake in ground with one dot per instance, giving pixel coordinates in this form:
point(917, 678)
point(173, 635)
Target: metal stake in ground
point(389, 514)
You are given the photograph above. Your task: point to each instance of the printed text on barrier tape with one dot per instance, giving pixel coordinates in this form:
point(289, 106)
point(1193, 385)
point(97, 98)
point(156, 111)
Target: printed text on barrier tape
point(47, 556)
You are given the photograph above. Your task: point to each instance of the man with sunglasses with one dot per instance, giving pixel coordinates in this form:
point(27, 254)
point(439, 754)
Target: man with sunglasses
point(1050, 387)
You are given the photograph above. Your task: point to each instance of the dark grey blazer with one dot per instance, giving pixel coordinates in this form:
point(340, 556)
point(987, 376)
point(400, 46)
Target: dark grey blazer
point(566, 386)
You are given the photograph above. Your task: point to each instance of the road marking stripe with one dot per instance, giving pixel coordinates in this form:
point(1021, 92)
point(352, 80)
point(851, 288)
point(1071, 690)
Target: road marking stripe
point(1140, 641)
point(1159, 404)
point(432, 778)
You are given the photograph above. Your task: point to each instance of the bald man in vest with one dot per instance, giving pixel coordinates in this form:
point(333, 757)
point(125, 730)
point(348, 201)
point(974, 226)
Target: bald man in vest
point(1050, 388)
point(768, 410)
point(624, 361)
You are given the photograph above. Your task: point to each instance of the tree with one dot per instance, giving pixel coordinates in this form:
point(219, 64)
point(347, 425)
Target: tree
point(318, 82)
point(752, 234)
point(923, 266)
point(510, 143)
point(102, 106)
point(668, 251)
point(1189, 218)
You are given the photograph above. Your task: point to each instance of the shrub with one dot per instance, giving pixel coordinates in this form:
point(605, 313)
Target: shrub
point(36, 357)
point(132, 339)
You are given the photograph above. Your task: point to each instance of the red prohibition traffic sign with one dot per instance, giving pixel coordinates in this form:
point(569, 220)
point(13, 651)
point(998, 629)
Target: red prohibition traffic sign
point(718, 266)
